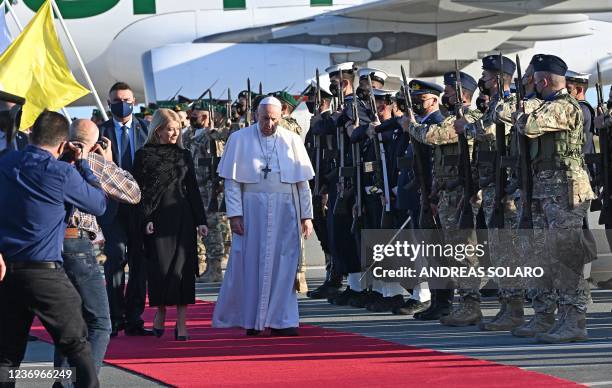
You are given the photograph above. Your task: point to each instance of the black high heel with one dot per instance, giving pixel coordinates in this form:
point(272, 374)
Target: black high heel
point(179, 337)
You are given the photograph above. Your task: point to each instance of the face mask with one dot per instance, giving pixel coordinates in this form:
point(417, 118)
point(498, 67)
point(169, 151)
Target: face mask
point(418, 108)
point(481, 105)
point(363, 93)
point(333, 88)
point(311, 106)
point(121, 109)
point(194, 123)
point(482, 88)
point(538, 93)
point(446, 102)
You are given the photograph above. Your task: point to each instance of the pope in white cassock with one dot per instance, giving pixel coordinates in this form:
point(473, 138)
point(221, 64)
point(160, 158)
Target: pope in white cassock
point(266, 170)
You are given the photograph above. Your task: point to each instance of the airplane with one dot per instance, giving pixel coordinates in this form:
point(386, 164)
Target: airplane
point(157, 46)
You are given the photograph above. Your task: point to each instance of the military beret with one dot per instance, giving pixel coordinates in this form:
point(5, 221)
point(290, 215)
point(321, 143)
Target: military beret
point(96, 113)
point(574, 76)
point(375, 75)
point(467, 81)
point(181, 107)
point(286, 97)
point(491, 62)
point(146, 111)
point(346, 67)
point(198, 105)
point(549, 63)
point(418, 87)
point(244, 94)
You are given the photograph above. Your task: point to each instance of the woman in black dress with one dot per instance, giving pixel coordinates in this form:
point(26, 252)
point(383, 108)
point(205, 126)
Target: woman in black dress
point(169, 217)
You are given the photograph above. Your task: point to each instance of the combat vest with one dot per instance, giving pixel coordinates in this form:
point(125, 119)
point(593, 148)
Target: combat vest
point(559, 150)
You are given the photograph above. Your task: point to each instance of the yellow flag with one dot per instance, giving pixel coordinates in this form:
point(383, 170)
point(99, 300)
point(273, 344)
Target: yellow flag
point(34, 66)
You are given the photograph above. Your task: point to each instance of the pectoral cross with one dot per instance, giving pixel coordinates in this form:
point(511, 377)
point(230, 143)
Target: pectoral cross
point(266, 171)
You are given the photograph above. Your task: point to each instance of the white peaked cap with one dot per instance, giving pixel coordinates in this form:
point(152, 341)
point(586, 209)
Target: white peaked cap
point(384, 92)
point(323, 83)
point(271, 101)
point(584, 77)
point(373, 72)
point(340, 67)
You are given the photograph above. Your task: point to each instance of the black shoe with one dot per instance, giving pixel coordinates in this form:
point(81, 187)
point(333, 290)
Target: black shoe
point(342, 298)
point(139, 331)
point(364, 298)
point(324, 291)
point(441, 302)
point(411, 307)
point(179, 337)
point(158, 332)
point(32, 338)
point(117, 327)
point(287, 332)
point(385, 304)
point(433, 313)
point(252, 332)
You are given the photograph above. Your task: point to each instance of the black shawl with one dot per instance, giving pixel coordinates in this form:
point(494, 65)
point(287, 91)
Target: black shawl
point(156, 168)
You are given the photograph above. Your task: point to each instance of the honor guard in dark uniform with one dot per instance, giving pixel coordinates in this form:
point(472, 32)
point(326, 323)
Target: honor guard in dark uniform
point(322, 149)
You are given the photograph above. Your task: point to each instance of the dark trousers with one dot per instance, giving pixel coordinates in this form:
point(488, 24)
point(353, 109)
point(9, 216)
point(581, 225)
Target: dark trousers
point(84, 272)
point(49, 295)
point(126, 305)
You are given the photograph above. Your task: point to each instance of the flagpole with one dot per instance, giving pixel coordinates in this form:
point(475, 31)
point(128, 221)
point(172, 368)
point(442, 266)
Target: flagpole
point(12, 12)
point(92, 88)
point(20, 27)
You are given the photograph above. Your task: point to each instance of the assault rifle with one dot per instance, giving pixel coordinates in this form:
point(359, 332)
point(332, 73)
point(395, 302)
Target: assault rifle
point(427, 220)
point(497, 216)
point(386, 221)
point(526, 217)
point(466, 219)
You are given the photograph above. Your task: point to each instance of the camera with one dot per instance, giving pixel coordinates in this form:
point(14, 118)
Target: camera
point(103, 144)
point(69, 155)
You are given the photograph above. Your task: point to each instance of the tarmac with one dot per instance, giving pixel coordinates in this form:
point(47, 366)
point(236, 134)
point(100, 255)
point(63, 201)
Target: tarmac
point(588, 363)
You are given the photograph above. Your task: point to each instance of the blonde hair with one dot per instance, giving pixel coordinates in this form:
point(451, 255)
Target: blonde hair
point(162, 118)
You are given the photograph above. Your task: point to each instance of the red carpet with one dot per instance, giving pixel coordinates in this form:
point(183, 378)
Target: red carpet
point(318, 358)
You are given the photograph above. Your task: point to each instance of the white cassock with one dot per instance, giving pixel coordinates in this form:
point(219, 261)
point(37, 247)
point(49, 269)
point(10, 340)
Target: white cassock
point(258, 289)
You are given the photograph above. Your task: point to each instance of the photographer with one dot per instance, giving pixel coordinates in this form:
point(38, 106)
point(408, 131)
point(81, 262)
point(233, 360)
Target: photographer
point(10, 113)
point(38, 194)
point(79, 259)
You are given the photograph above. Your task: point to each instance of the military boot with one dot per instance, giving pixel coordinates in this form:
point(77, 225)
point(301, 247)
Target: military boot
point(572, 328)
point(213, 272)
point(411, 307)
point(562, 309)
point(468, 313)
point(510, 316)
point(441, 302)
point(540, 323)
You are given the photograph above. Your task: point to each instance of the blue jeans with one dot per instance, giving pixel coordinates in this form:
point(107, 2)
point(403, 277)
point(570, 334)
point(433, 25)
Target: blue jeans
point(83, 271)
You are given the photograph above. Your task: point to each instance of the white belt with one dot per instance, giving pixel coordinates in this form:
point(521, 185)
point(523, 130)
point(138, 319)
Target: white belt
point(272, 184)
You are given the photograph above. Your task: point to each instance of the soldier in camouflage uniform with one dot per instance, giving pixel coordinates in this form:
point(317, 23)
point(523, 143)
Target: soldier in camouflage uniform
point(199, 139)
point(562, 189)
point(288, 105)
point(483, 131)
point(444, 140)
